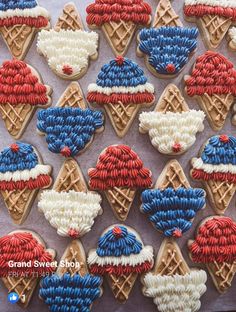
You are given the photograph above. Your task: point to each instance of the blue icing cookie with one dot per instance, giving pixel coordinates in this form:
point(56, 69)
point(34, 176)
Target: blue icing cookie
point(18, 156)
point(220, 150)
point(68, 129)
point(171, 211)
point(118, 241)
point(17, 4)
point(168, 48)
point(72, 294)
point(115, 75)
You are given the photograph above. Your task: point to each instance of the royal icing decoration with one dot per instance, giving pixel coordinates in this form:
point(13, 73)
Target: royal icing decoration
point(232, 34)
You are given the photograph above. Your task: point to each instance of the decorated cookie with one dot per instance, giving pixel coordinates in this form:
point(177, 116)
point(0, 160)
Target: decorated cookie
point(122, 89)
point(21, 92)
point(72, 288)
point(215, 246)
point(167, 45)
point(68, 47)
point(119, 20)
point(216, 169)
point(232, 38)
point(213, 17)
point(172, 126)
point(20, 20)
point(120, 256)
point(213, 84)
point(70, 125)
point(22, 175)
point(119, 172)
point(26, 247)
point(69, 206)
point(172, 284)
point(173, 204)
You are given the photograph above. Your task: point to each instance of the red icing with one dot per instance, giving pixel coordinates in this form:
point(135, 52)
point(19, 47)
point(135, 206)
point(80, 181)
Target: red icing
point(42, 181)
point(215, 241)
point(73, 233)
point(119, 269)
point(67, 70)
point(212, 74)
point(115, 98)
point(170, 68)
point(224, 138)
point(199, 174)
point(177, 233)
point(103, 11)
point(119, 166)
point(23, 247)
point(201, 10)
point(37, 22)
point(117, 232)
point(18, 85)
point(176, 148)
point(66, 151)
point(14, 147)
point(120, 60)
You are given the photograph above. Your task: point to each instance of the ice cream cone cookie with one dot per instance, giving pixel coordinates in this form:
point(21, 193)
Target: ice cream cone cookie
point(215, 247)
point(27, 248)
point(167, 45)
point(232, 38)
point(216, 169)
point(213, 84)
point(119, 20)
point(213, 17)
point(171, 284)
point(69, 206)
point(122, 89)
point(121, 256)
point(19, 23)
point(72, 287)
point(172, 126)
point(70, 126)
point(68, 47)
point(22, 175)
point(119, 172)
point(21, 92)
point(173, 204)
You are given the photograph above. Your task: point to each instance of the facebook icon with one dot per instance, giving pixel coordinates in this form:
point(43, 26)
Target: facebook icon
point(13, 297)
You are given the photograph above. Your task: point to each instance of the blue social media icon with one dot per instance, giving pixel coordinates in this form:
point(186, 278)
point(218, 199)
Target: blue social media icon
point(13, 297)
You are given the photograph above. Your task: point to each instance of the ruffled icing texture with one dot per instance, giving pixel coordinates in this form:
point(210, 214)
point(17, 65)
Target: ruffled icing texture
point(215, 241)
point(119, 166)
point(232, 34)
point(212, 74)
point(69, 129)
point(172, 211)
point(168, 48)
point(67, 51)
point(17, 4)
point(172, 132)
point(176, 293)
point(19, 85)
point(121, 80)
point(72, 213)
point(70, 293)
point(23, 247)
point(105, 11)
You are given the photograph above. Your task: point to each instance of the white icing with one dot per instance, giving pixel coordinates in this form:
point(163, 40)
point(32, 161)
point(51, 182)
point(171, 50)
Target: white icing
point(146, 254)
point(25, 175)
point(72, 210)
point(34, 12)
point(176, 293)
point(220, 3)
point(232, 34)
point(198, 163)
point(147, 87)
point(67, 48)
point(166, 129)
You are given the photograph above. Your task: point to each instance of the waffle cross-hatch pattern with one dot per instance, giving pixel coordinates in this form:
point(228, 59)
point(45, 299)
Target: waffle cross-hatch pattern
point(13, 200)
point(165, 16)
point(121, 113)
point(69, 20)
point(218, 104)
point(225, 272)
point(173, 102)
point(172, 265)
point(174, 178)
point(224, 189)
point(21, 286)
point(120, 285)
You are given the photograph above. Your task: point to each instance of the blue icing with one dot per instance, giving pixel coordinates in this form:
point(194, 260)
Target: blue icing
point(170, 210)
point(24, 158)
point(168, 45)
point(17, 4)
point(129, 74)
point(217, 152)
point(126, 244)
point(70, 294)
point(68, 127)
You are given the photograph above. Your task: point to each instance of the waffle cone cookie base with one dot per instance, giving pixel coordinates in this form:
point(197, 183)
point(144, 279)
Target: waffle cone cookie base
point(22, 284)
point(172, 126)
point(221, 266)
